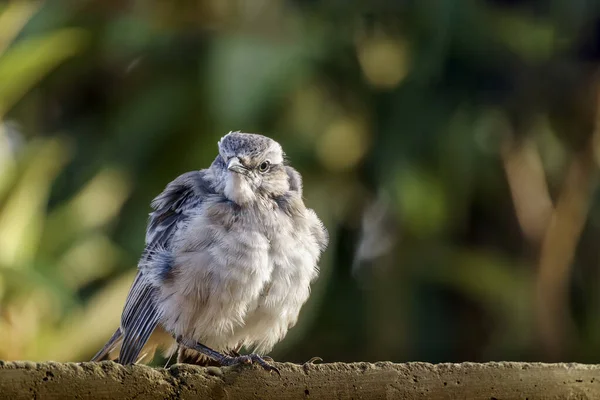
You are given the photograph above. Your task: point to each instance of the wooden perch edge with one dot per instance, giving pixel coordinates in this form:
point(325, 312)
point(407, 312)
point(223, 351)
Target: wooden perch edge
point(107, 380)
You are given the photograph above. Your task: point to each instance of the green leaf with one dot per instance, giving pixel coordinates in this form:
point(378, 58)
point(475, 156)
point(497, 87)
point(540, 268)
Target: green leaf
point(22, 216)
point(30, 60)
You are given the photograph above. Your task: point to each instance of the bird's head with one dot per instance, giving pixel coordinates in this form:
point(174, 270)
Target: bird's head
point(251, 167)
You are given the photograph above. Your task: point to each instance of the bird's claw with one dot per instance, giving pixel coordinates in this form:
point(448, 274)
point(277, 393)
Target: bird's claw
point(313, 360)
point(262, 361)
point(249, 359)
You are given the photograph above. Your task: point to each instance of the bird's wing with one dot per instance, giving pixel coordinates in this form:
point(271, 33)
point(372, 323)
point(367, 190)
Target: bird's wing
point(172, 208)
point(294, 180)
point(317, 229)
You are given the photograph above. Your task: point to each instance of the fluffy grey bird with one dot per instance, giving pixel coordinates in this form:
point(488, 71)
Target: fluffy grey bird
point(231, 252)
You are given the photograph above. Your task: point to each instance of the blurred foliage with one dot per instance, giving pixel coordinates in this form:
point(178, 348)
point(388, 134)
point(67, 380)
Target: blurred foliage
point(450, 148)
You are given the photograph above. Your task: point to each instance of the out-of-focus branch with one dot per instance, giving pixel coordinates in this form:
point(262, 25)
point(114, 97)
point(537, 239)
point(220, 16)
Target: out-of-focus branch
point(527, 181)
point(558, 250)
point(560, 242)
point(555, 231)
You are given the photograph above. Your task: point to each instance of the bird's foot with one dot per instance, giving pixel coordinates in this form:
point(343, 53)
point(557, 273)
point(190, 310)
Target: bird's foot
point(249, 359)
point(313, 360)
point(226, 360)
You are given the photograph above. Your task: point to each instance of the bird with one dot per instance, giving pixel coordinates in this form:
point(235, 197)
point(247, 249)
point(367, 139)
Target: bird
point(231, 252)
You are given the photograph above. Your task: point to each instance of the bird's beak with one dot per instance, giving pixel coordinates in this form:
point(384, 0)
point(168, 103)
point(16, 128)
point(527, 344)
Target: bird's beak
point(235, 165)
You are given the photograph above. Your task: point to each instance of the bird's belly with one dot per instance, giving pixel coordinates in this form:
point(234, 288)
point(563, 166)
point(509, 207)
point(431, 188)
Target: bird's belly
point(211, 292)
point(277, 307)
point(246, 288)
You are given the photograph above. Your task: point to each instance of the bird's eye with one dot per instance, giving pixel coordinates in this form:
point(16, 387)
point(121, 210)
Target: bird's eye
point(264, 167)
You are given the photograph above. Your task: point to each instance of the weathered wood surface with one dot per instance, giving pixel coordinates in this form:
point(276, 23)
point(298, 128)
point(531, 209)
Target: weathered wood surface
point(107, 380)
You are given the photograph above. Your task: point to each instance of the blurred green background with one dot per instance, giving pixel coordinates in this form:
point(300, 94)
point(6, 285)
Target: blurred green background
point(450, 147)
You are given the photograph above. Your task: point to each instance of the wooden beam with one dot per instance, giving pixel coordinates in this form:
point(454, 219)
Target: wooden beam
point(107, 380)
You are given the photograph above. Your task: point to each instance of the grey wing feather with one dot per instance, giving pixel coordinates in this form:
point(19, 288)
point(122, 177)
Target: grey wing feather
point(294, 179)
point(173, 205)
point(171, 208)
point(318, 230)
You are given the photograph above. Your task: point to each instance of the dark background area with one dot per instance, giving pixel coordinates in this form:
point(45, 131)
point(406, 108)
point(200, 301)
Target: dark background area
point(450, 147)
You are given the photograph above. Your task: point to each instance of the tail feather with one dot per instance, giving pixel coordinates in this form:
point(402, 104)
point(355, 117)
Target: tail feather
point(113, 342)
point(111, 349)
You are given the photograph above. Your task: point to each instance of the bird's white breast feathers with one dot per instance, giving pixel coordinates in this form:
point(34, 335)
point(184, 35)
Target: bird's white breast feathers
point(240, 277)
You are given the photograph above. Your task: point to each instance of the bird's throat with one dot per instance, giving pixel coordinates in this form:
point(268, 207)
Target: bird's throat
point(238, 189)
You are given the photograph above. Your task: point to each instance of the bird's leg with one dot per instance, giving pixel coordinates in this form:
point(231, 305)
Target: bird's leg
point(236, 352)
point(223, 359)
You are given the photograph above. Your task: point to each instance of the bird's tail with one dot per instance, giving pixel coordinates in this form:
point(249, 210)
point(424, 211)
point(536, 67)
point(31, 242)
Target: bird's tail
point(110, 351)
point(109, 347)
